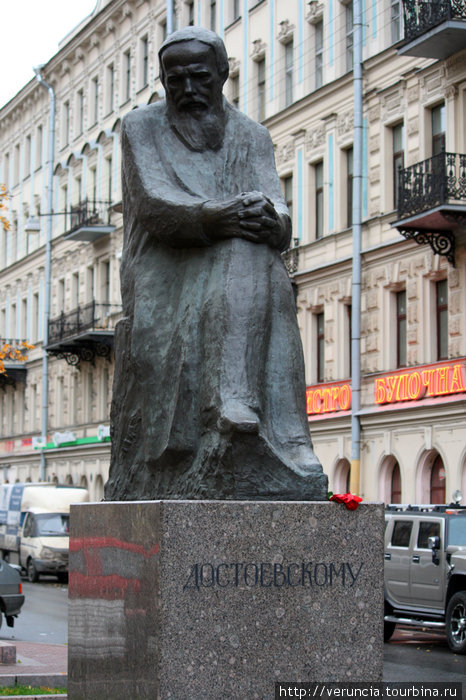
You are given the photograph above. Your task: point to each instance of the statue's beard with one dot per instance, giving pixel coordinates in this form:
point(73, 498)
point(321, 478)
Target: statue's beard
point(200, 130)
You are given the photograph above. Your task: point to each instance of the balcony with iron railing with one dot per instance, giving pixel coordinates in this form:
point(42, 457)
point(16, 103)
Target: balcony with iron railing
point(432, 202)
point(89, 221)
point(433, 28)
point(83, 333)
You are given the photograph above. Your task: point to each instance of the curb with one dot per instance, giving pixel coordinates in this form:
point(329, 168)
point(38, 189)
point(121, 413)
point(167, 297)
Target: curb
point(51, 680)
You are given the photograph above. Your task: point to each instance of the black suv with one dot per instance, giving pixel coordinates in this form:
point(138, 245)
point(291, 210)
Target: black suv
point(425, 570)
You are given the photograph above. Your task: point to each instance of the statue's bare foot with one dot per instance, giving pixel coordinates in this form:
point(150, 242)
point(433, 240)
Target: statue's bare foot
point(237, 416)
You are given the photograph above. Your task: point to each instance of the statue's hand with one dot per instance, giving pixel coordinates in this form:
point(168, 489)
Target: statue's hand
point(249, 215)
point(259, 222)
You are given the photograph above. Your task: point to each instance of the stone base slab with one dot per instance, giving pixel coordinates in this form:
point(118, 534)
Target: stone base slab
point(210, 599)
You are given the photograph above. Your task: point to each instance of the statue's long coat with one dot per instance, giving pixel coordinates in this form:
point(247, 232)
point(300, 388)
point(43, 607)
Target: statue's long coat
point(202, 323)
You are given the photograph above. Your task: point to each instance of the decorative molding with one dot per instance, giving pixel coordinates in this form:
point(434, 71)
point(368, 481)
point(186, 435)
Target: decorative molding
point(285, 153)
point(345, 123)
point(258, 50)
point(234, 65)
point(285, 34)
point(451, 91)
point(315, 11)
point(315, 138)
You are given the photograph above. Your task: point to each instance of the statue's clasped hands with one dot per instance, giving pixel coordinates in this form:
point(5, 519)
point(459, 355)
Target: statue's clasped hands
point(249, 215)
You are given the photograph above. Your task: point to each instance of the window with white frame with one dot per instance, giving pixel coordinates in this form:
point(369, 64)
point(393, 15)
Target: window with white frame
point(260, 73)
point(395, 20)
point(398, 159)
point(80, 112)
point(319, 53)
point(349, 35)
point(110, 88)
point(401, 328)
point(289, 57)
point(144, 61)
point(441, 313)
point(126, 73)
point(318, 171)
point(95, 100)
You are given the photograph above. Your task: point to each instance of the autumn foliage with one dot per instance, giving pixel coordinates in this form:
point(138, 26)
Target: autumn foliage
point(14, 352)
point(3, 196)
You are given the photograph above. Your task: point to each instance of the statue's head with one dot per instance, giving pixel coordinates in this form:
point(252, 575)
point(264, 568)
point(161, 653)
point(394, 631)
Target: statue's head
point(204, 36)
point(193, 69)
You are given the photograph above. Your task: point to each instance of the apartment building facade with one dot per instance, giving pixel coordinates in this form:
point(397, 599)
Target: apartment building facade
point(291, 66)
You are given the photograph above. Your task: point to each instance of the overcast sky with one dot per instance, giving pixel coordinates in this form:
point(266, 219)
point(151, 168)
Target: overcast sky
point(30, 32)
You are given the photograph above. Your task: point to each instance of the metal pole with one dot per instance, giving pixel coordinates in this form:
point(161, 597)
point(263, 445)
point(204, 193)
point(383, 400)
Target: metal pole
point(48, 270)
point(357, 217)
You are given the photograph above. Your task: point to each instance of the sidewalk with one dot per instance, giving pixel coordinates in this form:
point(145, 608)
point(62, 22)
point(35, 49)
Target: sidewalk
point(37, 665)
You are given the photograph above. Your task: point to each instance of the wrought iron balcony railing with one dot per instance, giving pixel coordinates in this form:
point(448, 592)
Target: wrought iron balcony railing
point(422, 15)
point(89, 213)
point(90, 317)
point(432, 182)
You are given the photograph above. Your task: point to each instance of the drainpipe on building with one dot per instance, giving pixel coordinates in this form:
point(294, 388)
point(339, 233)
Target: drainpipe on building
point(357, 217)
point(48, 270)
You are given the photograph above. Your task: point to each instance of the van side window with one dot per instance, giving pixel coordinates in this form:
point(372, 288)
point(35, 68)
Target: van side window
point(401, 533)
point(28, 526)
point(427, 530)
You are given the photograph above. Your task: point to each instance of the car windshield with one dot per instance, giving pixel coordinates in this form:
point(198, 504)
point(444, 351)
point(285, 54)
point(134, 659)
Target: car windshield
point(50, 524)
point(457, 530)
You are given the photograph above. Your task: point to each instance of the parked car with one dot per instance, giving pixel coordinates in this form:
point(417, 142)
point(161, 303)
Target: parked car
point(11, 593)
point(425, 570)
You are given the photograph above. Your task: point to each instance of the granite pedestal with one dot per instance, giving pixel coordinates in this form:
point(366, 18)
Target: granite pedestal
point(215, 599)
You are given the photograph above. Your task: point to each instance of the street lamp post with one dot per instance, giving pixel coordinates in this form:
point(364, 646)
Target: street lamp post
point(48, 268)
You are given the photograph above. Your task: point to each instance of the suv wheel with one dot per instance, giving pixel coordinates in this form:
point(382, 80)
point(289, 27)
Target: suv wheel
point(33, 574)
point(456, 623)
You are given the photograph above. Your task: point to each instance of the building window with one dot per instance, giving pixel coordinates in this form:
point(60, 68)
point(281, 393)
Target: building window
point(110, 88)
point(289, 52)
point(235, 10)
point(93, 184)
point(213, 15)
point(349, 187)
point(442, 319)
point(401, 329)
point(190, 5)
point(16, 165)
point(234, 90)
point(438, 130)
point(395, 486)
point(66, 123)
point(95, 100)
point(80, 112)
point(319, 53)
point(127, 75)
point(109, 164)
point(27, 156)
point(320, 347)
point(261, 90)
point(395, 20)
point(61, 296)
point(145, 61)
point(6, 170)
point(437, 481)
point(64, 205)
point(39, 146)
point(349, 339)
point(287, 188)
point(398, 160)
point(349, 36)
point(319, 198)
point(75, 290)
